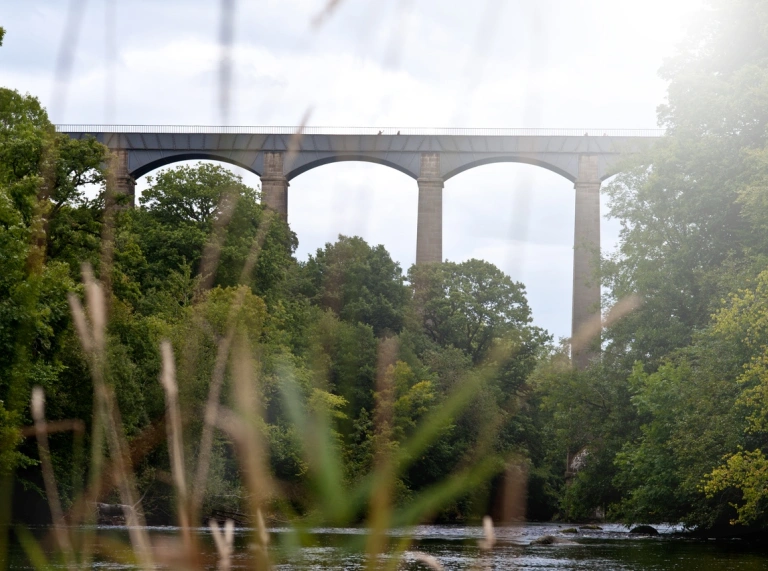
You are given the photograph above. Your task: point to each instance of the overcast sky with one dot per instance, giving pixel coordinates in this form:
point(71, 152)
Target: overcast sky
point(382, 63)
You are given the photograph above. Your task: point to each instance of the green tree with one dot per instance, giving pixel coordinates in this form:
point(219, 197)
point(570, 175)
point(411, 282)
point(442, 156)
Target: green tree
point(741, 473)
point(685, 239)
point(360, 283)
point(663, 406)
point(470, 323)
point(688, 421)
point(41, 174)
point(467, 305)
point(188, 207)
point(343, 361)
point(587, 417)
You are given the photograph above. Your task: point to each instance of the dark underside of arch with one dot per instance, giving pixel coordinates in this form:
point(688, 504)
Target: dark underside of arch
point(345, 158)
point(509, 159)
point(191, 156)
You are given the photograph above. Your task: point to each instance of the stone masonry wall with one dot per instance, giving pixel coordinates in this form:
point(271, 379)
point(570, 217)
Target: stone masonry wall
point(274, 186)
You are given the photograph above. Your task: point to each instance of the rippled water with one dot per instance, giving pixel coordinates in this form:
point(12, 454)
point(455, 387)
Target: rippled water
point(455, 547)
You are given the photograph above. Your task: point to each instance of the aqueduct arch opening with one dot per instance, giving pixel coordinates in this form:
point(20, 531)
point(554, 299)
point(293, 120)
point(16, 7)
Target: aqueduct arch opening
point(519, 217)
point(359, 198)
point(140, 183)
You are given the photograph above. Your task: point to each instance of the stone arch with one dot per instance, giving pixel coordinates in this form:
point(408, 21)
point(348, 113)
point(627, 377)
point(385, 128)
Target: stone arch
point(296, 171)
point(189, 156)
point(510, 159)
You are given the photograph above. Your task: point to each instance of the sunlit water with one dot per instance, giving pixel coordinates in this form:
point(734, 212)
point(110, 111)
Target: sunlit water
point(455, 547)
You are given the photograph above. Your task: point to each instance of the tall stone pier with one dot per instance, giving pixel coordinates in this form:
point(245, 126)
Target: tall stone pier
point(274, 184)
point(585, 323)
point(429, 229)
point(124, 185)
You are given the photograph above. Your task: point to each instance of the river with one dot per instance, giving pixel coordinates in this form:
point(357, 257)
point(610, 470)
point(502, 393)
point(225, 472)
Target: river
point(455, 547)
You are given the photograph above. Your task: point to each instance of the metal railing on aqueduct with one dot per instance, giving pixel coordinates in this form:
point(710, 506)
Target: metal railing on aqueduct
point(285, 130)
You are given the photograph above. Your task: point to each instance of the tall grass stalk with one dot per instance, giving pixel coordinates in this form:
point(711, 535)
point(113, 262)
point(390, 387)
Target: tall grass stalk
point(217, 379)
point(175, 442)
point(224, 541)
point(93, 340)
point(49, 479)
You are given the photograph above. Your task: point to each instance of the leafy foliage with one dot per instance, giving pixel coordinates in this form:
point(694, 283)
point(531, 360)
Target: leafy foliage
point(341, 337)
point(685, 371)
point(360, 283)
point(40, 172)
point(468, 305)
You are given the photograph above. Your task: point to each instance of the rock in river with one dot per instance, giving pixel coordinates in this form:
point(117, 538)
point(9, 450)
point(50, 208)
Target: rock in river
point(644, 530)
point(551, 540)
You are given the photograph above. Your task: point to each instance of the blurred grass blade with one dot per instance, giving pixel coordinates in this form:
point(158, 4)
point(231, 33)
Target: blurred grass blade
point(60, 531)
point(175, 439)
point(321, 454)
point(431, 499)
point(217, 378)
point(440, 417)
point(32, 549)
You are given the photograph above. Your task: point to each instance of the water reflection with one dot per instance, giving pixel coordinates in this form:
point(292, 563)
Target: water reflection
point(455, 547)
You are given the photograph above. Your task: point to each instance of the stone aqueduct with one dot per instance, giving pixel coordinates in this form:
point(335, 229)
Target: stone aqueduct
point(278, 154)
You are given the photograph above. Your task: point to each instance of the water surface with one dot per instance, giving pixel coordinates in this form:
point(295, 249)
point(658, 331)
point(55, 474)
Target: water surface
point(455, 547)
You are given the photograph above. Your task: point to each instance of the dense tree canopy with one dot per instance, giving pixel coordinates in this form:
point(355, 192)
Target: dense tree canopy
point(188, 208)
point(200, 263)
point(41, 172)
point(687, 237)
point(358, 282)
point(468, 305)
point(680, 377)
